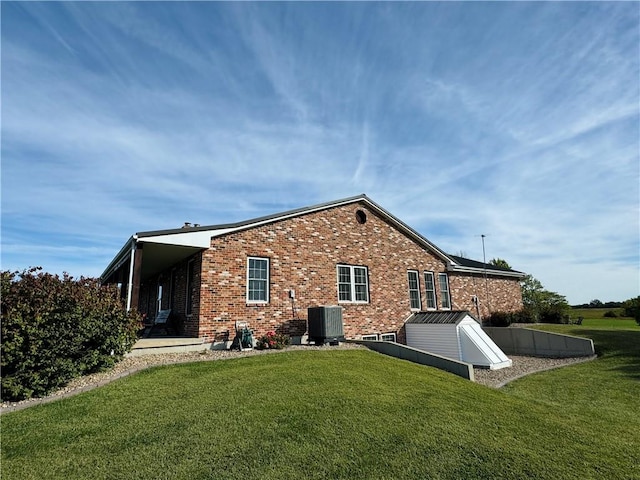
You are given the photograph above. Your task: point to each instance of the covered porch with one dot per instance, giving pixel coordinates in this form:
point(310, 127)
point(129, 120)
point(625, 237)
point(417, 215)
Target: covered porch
point(157, 272)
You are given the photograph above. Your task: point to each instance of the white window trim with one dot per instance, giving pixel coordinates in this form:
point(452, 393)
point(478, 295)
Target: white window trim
point(382, 335)
point(352, 283)
point(447, 293)
point(258, 302)
point(417, 274)
point(435, 296)
point(372, 336)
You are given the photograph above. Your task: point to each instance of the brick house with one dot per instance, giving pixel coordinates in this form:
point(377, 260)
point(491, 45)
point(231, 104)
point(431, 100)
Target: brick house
point(269, 270)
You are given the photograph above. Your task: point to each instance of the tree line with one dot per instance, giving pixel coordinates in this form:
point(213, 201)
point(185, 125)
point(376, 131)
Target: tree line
point(542, 305)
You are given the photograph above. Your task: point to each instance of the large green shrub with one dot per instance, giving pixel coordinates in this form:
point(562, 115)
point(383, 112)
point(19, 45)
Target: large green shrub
point(55, 329)
point(631, 308)
point(501, 319)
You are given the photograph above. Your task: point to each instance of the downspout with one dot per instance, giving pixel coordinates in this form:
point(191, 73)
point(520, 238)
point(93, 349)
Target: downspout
point(130, 283)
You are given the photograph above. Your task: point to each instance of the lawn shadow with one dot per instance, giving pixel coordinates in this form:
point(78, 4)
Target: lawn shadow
point(623, 345)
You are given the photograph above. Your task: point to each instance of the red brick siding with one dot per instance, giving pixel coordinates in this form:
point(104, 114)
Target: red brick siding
point(504, 293)
point(303, 253)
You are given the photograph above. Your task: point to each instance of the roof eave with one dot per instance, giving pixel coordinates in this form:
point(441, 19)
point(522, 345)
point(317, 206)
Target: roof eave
point(119, 259)
point(255, 221)
point(488, 271)
point(408, 230)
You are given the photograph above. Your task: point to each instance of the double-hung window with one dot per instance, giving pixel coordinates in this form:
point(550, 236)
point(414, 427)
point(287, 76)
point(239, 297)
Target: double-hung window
point(257, 280)
point(445, 298)
point(414, 289)
point(353, 284)
point(430, 287)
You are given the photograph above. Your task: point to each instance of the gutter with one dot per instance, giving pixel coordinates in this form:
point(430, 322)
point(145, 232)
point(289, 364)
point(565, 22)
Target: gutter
point(119, 259)
point(481, 271)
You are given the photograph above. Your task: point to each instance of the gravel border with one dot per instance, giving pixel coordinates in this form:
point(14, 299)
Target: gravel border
point(521, 367)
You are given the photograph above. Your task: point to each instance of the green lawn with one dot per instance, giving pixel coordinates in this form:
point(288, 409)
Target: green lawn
point(598, 314)
point(340, 414)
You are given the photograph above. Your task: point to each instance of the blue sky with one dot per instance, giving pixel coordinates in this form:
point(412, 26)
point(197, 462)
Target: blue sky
point(519, 121)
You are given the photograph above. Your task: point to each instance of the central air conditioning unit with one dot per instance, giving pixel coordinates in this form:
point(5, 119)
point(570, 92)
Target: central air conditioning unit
point(325, 324)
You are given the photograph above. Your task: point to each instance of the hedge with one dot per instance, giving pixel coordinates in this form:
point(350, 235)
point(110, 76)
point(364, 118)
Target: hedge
point(57, 328)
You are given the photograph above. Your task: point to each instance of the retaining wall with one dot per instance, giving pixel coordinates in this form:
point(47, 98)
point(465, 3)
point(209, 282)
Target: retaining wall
point(462, 369)
point(527, 341)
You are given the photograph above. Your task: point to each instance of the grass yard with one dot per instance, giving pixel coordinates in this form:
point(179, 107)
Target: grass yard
point(341, 414)
point(598, 314)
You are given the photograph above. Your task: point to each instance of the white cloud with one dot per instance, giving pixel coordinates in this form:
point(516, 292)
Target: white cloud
point(522, 126)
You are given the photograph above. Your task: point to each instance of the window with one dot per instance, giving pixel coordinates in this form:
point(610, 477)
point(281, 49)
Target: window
point(414, 290)
point(388, 337)
point(257, 280)
point(444, 291)
point(431, 290)
point(370, 337)
point(353, 284)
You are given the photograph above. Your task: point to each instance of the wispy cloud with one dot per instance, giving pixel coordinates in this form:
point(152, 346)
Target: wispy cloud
point(518, 121)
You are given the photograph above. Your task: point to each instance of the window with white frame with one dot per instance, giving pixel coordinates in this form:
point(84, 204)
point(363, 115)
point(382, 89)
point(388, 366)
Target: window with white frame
point(370, 337)
point(257, 280)
point(414, 290)
point(388, 337)
point(430, 287)
point(445, 299)
point(353, 284)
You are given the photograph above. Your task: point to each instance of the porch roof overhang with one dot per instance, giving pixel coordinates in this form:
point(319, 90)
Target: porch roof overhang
point(158, 257)
point(159, 252)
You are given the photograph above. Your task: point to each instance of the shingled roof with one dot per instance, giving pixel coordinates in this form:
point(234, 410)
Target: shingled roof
point(439, 317)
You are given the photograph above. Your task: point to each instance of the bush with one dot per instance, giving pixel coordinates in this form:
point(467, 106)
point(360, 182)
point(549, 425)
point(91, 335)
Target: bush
point(55, 329)
point(610, 314)
point(631, 308)
point(500, 319)
point(272, 340)
point(555, 316)
point(524, 316)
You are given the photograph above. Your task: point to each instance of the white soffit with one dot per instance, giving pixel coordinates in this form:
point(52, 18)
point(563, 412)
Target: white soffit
point(200, 239)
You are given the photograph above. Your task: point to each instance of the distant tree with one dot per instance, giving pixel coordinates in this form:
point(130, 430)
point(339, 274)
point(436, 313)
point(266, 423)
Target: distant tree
point(499, 262)
point(612, 305)
point(595, 303)
point(462, 254)
point(543, 305)
point(631, 308)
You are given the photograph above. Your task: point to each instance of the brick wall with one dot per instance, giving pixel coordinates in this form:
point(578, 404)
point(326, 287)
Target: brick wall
point(496, 294)
point(303, 254)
